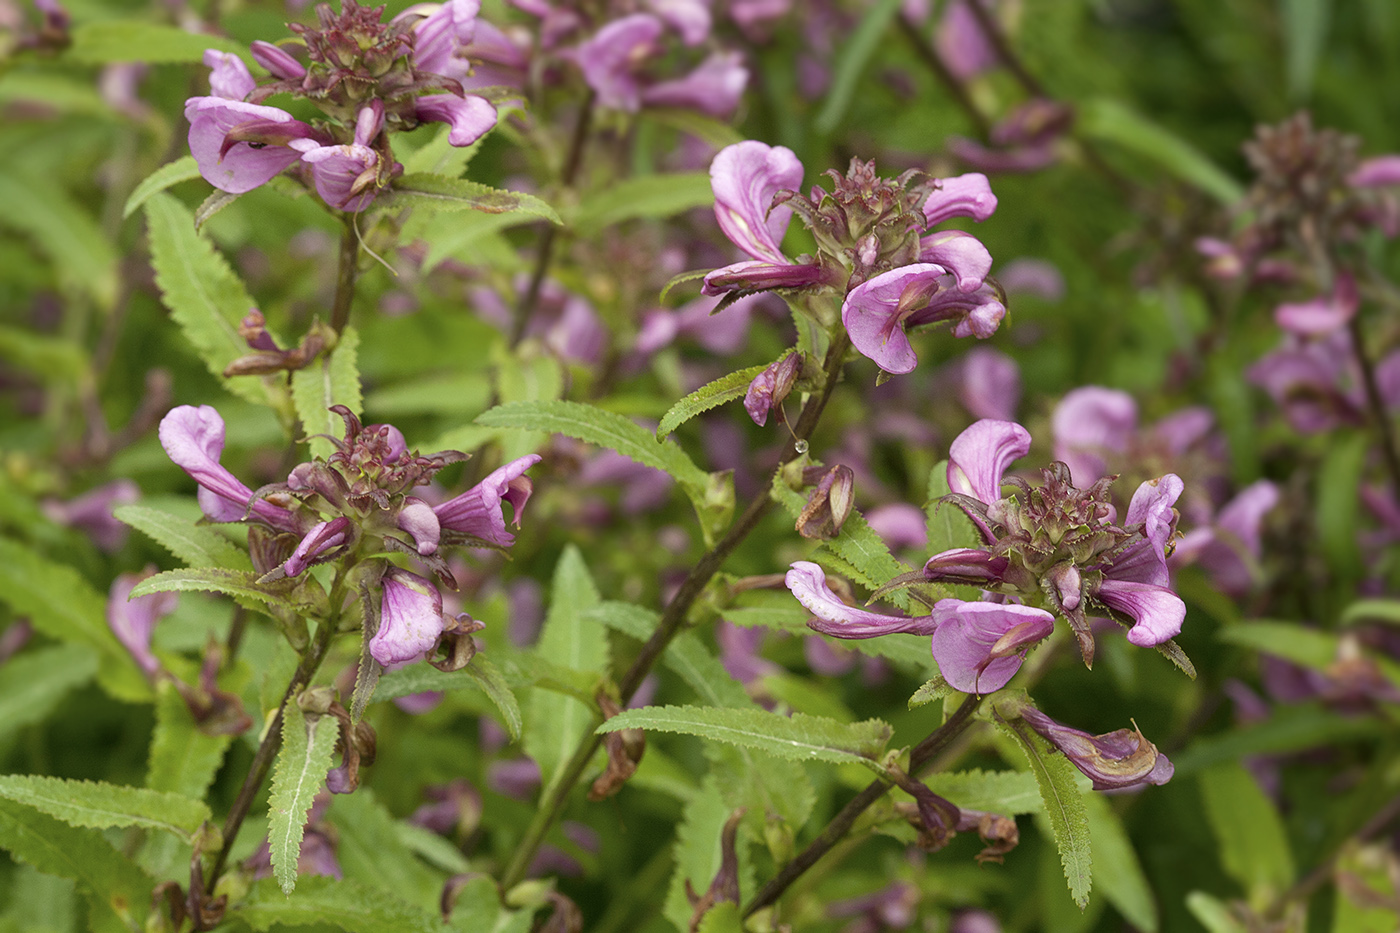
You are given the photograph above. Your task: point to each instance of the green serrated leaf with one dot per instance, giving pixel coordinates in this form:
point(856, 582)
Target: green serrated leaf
point(301, 769)
point(697, 850)
point(935, 689)
point(33, 683)
point(199, 546)
point(851, 60)
point(440, 193)
point(681, 278)
point(1111, 121)
point(1063, 805)
point(724, 389)
point(798, 737)
point(98, 805)
point(1254, 847)
point(203, 294)
point(480, 673)
point(333, 379)
point(572, 639)
point(184, 168)
point(120, 893)
point(722, 918)
point(1006, 792)
point(62, 605)
point(644, 196)
point(597, 426)
point(130, 41)
point(237, 583)
point(344, 905)
point(1116, 867)
point(64, 231)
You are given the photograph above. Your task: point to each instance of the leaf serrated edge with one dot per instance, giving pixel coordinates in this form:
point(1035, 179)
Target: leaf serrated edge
point(712, 395)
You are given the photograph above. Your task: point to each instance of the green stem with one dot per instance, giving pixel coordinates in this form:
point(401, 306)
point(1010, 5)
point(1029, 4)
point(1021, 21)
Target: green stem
point(841, 824)
point(672, 620)
point(348, 271)
point(930, 58)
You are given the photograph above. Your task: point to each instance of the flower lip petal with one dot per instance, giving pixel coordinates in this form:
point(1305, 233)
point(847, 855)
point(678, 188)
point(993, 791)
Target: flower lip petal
point(977, 644)
point(967, 195)
point(807, 581)
point(874, 313)
point(410, 618)
point(193, 438)
point(745, 177)
point(1156, 611)
point(979, 456)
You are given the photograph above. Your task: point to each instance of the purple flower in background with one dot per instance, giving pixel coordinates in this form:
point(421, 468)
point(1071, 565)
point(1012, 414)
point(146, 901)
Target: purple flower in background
point(902, 526)
point(477, 516)
point(988, 383)
point(194, 439)
point(563, 320)
point(961, 42)
point(1036, 277)
point(1323, 315)
point(1229, 548)
point(1090, 425)
point(133, 621)
point(92, 512)
point(713, 88)
point(609, 59)
point(410, 618)
point(1113, 761)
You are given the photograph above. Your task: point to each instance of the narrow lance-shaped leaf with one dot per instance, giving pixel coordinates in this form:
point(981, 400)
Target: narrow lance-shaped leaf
point(1008, 792)
point(854, 55)
point(1117, 869)
point(203, 294)
point(724, 389)
point(99, 43)
point(199, 546)
point(1111, 121)
point(646, 196)
point(99, 805)
point(333, 379)
point(440, 193)
point(120, 893)
point(184, 168)
point(302, 765)
point(1254, 847)
point(342, 905)
point(799, 737)
point(569, 638)
point(1063, 806)
point(237, 583)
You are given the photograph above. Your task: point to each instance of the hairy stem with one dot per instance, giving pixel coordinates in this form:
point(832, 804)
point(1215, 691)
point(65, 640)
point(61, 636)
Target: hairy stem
point(672, 620)
point(544, 255)
point(1379, 416)
point(267, 749)
point(348, 271)
point(841, 824)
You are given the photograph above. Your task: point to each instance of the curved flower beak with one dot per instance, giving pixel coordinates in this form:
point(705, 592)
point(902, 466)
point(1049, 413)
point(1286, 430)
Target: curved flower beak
point(979, 456)
point(477, 513)
point(807, 581)
point(745, 177)
point(1112, 761)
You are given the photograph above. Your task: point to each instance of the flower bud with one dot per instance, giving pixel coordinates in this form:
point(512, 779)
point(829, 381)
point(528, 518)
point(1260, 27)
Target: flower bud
point(1114, 760)
point(770, 387)
point(829, 505)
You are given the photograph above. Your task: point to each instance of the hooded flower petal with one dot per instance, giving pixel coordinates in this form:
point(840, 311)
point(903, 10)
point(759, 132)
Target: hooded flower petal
point(745, 177)
point(277, 61)
point(441, 35)
point(609, 59)
point(1112, 761)
point(92, 512)
point(757, 274)
point(807, 581)
point(1090, 424)
point(976, 313)
point(979, 456)
point(477, 512)
point(713, 88)
point(228, 76)
point(965, 565)
point(194, 438)
point(900, 525)
point(1379, 172)
point(960, 253)
point(257, 150)
point(346, 176)
point(977, 645)
point(967, 195)
point(875, 310)
point(410, 619)
point(321, 539)
point(1156, 611)
point(421, 522)
point(470, 118)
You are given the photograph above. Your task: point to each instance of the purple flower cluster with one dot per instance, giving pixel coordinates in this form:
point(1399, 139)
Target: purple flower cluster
point(366, 77)
point(874, 244)
point(354, 507)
